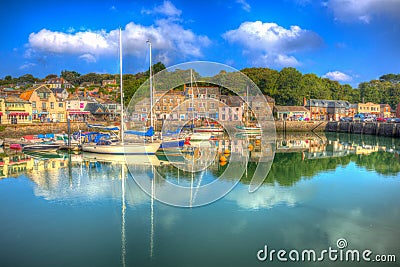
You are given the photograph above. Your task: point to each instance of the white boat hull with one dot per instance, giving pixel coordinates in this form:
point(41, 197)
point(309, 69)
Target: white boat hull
point(122, 148)
point(200, 136)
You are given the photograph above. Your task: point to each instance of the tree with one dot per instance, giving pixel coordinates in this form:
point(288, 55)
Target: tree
point(51, 76)
point(288, 87)
point(70, 76)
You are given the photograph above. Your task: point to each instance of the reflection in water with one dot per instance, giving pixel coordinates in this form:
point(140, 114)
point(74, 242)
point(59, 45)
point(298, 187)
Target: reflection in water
point(311, 185)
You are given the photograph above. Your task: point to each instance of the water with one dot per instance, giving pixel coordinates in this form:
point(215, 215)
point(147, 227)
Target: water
point(72, 211)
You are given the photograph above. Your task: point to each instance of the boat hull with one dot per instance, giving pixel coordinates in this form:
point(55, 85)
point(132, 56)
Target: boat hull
point(122, 149)
point(41, 147)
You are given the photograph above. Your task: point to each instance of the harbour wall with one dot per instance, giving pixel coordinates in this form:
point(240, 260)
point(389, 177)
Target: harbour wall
point(19, 130)
point(371, 128)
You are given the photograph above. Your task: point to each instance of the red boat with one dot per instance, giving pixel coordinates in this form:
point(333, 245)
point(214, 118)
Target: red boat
point(15, 146)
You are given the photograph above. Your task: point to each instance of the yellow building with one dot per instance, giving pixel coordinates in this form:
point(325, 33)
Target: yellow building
point(369, 108)
point(17, 111)
point(45, 106)
point(385, 111)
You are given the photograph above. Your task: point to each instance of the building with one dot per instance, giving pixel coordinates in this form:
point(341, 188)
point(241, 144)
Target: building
point(291, 113)
point(108, 82)
point(45, 106)
point(205, 102)
point(231, 108)
point(16, 111)
point(332, 110)
point(168, 105)
point(61, 93)
point(58, 83)
point(369, 108)
point(141, 110)
point(385, 111)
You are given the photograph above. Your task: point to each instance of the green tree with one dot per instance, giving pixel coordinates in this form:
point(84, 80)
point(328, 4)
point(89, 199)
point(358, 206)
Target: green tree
point(71, 76)
point(288, 87)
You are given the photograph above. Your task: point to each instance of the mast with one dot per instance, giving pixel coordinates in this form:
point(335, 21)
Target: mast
point(151, 87)
point(191, 87)
point(121, 89)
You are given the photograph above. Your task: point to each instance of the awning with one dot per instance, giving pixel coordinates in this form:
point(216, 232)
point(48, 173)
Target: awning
point(78, 112)
point(18, 113)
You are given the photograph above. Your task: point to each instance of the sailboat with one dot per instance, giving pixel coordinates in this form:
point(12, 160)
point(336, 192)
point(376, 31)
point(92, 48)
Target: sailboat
point(247, 129)
point(196, 135)
point(145, 147)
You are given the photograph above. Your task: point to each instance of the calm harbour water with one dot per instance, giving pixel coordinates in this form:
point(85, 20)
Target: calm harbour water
point(70, 211)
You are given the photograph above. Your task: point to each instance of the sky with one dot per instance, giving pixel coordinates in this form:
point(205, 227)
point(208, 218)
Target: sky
point(350, 41)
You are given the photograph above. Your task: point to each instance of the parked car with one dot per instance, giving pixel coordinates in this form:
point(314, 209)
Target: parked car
point(346, 119)
point(369, 119)
point(393, 120)
point(381, 119)
point(359, 117)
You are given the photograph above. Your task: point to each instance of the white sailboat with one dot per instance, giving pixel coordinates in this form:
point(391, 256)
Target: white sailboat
point(122, 147)
point(247, 129)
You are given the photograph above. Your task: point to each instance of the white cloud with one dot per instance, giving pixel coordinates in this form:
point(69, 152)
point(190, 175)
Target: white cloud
point(271, 44)
point(363, 11)
point(27, 65)
point(89, 58)
point(338, 76)
point(245, 6)
point(169, 40)
point(167, 8)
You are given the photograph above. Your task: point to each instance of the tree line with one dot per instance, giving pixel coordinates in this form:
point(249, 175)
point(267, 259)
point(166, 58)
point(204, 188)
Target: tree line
point(287, 86)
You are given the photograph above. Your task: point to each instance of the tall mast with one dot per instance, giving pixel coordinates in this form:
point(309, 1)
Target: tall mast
point(191, 87)
point(151, 88)
point(121, 89)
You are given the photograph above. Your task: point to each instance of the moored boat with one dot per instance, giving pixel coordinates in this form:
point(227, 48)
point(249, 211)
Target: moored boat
point(45, 146)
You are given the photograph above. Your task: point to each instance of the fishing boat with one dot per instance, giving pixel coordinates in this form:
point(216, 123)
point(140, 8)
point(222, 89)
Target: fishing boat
point(143, 146)
point(248, 129)
point(43, 146)
point(200, 136)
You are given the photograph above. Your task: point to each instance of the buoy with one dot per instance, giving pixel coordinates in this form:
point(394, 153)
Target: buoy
point(222, 163)
point(258, 141)
point(251, 147)
point(227, 152)
point(222, 159)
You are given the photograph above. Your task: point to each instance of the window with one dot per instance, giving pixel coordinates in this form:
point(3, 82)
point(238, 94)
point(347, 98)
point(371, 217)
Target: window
point(212, 105)
point(144, 109)
point(60, 105)
point(44, 105)
point(164, 108)
point(51, 105)
point(34, 104)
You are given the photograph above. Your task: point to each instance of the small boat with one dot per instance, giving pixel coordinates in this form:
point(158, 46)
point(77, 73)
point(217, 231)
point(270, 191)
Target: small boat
point(120, 148)
point(248, 129)
point(172, 143)
point(44, 146)
point(200, 136)
point(208, 129)
point(15, 146)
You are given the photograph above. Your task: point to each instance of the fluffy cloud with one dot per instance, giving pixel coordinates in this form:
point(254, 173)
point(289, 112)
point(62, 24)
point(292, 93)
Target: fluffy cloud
point(27, 66)
point(365, 10)
point(166, 36)
point(167, 8)
point(271, 44)
point(338, 76)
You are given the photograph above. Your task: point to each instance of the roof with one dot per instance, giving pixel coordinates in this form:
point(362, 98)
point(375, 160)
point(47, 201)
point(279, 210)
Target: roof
point(57, 90)
point(15, 99)
point(328, 103)
point(96, 108)
point(291, 109)
point(27, 94)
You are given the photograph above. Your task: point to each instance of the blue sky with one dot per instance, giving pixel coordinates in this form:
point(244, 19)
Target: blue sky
point(347, 40)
